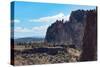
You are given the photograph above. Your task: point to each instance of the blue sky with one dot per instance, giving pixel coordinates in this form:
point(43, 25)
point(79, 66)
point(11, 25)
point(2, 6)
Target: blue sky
point(32, 19)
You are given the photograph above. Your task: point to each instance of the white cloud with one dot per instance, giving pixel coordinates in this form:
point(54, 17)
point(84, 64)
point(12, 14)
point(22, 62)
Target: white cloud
point(39, 31)
point(15, 21)
point(51, 19)
point(36, 30)
point(22, 30)
point(40, 28)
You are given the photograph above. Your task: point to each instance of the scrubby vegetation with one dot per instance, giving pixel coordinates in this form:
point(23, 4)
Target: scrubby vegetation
point(43, 53)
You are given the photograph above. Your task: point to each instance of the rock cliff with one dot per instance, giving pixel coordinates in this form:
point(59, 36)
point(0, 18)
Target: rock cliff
point(69, 32)
point(90, 37)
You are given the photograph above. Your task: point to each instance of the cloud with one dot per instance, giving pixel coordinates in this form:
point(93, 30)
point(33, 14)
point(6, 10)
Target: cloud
point(51, 19)
point(22, 30)
point(40, 29)
point(37, 29)
point(16, 21)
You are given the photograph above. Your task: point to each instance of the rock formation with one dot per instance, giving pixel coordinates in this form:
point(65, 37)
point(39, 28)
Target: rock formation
point(80, 30)
point(90, 37)
point(68, 32)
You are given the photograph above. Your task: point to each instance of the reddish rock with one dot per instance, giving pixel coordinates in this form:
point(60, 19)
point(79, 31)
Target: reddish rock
point(90, 37)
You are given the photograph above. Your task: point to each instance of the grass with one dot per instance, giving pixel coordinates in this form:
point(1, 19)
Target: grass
point(22, 57)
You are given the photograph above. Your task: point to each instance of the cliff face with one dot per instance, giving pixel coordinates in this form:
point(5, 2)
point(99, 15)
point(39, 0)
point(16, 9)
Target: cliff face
point(55, 33)
point(69, 32)
point(77, 23)
point(90, 37)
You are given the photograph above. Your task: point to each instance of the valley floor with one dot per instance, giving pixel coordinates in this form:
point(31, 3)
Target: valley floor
point(29, 55)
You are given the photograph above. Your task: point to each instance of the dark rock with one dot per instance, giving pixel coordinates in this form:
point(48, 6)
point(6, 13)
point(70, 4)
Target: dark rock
point(55, 32)
point(90, 37)
point(77, 20)
point(68, 32)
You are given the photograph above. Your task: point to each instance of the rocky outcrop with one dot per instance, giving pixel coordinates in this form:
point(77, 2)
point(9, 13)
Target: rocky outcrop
point(90, 37)
point(55, 32)
point(68, 32)
point(77, 23)
point(80, 30)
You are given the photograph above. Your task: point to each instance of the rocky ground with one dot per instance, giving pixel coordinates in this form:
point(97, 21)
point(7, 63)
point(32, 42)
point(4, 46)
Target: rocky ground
point(30, 56)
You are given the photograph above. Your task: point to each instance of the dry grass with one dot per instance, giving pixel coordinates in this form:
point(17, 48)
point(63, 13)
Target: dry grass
point(67, 55)
point(74, 54)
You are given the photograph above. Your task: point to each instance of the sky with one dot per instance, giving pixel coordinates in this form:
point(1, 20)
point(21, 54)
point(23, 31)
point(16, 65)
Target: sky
point(32, 19)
